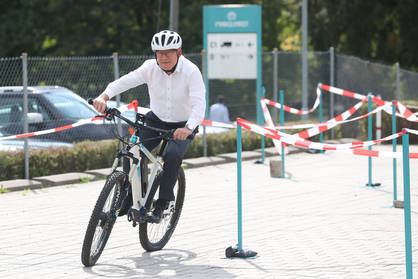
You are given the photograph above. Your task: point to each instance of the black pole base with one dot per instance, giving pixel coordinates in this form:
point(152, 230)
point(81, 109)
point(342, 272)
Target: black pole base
point(373, 185)
point(233, 252)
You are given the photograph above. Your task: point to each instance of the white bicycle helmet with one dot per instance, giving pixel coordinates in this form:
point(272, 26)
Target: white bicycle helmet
point(165, 39)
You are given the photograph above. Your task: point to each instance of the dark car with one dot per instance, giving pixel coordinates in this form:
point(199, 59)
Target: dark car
point(51, 107)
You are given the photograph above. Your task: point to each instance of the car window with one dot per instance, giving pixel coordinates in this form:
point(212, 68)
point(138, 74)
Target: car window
point(70, 104)
point(11, 110)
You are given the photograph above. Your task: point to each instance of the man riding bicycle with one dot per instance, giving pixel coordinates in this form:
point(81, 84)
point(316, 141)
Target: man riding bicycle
point(177, 101)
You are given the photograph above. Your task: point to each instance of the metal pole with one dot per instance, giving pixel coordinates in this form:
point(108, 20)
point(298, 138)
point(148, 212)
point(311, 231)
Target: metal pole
point(174, 15)
point(205, 78)
point(398, 82)
point(369, 135)
point(282, 130)
point(407, 205)
point(239, 148)
point(263, 137)
point(379, 122)
point(332, 83)
point(321, 135)
point(275, 82)
point(116, 75)
point(395, 190)
point(25, 111)
point(304, 57)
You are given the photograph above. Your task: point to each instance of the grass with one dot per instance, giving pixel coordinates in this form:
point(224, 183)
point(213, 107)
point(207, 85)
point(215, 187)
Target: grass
point(4, 190)
point(26, 191)
point(85, 179)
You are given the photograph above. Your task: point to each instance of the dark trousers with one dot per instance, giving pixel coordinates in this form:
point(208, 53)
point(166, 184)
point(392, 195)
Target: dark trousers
point(174, 154)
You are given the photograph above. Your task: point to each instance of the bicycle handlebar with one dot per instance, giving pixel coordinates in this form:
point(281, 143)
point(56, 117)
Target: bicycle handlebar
point(109, 113)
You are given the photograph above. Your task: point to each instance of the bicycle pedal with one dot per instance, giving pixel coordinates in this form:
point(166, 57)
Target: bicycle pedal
point(170, 207)
point(129, 216)
point(139, 216)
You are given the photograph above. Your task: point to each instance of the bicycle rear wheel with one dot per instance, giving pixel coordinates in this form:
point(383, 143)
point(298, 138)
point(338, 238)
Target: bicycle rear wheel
point(154, 236)
point(102, 219)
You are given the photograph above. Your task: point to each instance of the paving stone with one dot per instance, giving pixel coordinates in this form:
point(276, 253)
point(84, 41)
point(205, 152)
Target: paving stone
point(321, 223)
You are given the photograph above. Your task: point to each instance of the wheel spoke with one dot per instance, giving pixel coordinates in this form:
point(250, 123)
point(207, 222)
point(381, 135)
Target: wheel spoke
point(102, 220)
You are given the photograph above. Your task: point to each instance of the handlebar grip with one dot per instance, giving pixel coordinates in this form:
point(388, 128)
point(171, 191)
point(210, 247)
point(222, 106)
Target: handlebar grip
point(193, 134)
point(107, 109)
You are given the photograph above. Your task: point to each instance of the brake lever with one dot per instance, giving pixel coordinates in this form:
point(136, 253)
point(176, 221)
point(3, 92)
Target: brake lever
point(109, 113)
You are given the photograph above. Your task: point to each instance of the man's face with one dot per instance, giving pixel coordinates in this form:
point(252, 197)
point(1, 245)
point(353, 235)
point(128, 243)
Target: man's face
point(167, 58)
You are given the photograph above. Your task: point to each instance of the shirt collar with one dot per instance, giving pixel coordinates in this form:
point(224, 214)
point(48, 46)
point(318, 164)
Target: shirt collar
point(179, 67)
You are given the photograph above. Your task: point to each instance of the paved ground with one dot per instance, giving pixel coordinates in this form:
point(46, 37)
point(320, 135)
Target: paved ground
point(320, 223)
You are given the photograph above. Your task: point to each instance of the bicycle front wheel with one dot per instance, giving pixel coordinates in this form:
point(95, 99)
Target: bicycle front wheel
point(102, 219)
point(154, 236)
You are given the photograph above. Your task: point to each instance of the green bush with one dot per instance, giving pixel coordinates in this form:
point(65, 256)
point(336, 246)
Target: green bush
point(94, 155)
point(82, 156)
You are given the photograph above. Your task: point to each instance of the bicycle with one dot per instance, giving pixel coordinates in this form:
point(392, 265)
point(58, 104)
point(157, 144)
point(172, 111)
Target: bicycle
point(152, 236)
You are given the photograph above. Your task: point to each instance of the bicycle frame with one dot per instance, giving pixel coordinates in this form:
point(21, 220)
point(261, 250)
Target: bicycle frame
point(135, 173)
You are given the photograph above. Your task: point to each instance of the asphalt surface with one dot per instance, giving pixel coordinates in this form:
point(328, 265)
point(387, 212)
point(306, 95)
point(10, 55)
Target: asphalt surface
point(320, 222)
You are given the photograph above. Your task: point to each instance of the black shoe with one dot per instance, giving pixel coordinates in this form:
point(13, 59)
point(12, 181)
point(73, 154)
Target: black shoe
point(126, 205)
point(157, 213)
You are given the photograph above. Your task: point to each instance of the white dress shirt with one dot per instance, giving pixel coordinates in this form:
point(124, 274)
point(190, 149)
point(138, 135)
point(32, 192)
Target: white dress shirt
point(173, 98)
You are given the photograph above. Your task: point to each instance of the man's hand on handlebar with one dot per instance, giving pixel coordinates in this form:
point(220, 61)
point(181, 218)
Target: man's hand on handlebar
point(182, 133)
point(100, 103)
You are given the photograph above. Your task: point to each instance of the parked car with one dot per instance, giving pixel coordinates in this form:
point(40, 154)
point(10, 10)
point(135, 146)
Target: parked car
point(51, 107)
point(34, 143)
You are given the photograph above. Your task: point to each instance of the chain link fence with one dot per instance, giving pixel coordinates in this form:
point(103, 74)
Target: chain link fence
point(89, 76)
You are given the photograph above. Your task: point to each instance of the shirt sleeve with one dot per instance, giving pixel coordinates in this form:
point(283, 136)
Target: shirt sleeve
point(128, 81)
point(197, 93)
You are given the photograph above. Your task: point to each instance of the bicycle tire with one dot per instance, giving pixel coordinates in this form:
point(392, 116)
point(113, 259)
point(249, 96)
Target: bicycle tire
point(166, 227)
point(102, 219)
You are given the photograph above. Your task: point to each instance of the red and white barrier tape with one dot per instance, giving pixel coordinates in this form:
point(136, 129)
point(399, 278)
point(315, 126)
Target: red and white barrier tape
point(404, 111)
point(333, 122)
point(411, 131)
point(218, 124)
point(293, 110)
point(353, 148)
point(133, 105)
point(316, 129)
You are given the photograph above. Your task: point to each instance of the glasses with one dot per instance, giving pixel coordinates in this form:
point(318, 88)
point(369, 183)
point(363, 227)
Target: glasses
point(166, 53)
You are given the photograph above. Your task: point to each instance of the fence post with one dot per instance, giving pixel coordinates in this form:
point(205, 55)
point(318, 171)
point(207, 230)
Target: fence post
point(331, 78)
point(263, 93)
point(369, 137)
point(282, 130)
point(305, 58)
point(321, 135)
point(395, 190)
point(205, 78)
point(275, 81)
point(398, 82)
point(116, 76)
point(407, 205)
point(379, 122)
point(263, 138)
point(25, 111)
